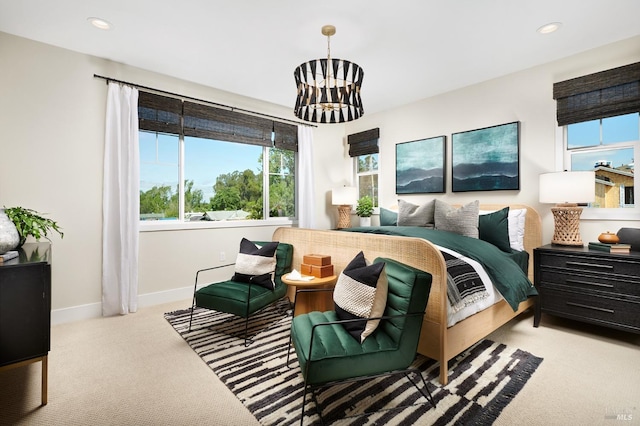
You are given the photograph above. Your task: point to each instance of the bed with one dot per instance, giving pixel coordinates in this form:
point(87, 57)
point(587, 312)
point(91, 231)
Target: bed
point(438, 341)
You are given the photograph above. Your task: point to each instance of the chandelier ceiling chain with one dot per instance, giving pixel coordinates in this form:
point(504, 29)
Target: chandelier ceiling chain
point(328, 89)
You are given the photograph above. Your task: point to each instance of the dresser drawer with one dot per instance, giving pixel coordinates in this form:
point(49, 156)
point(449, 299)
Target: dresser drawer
point(590, 282)
point(593, 263)
point(598, 309)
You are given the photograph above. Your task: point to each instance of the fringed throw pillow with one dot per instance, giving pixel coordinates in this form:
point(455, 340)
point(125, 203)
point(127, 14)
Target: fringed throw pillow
point(256, 264)
point(361, 292)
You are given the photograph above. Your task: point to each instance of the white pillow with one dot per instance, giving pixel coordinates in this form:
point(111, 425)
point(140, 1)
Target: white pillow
point(516, 220)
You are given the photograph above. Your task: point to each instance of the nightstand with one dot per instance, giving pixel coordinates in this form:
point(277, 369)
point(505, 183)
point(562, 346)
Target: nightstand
point(585, 285)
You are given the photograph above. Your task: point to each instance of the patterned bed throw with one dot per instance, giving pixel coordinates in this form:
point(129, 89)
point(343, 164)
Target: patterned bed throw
point(464, 285)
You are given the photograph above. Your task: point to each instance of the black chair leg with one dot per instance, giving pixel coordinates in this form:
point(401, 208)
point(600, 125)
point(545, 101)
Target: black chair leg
point(317, 404)
point(289, 351)
point(191, 316)
point(247, 341)
point(304, 399)
point(427, 395)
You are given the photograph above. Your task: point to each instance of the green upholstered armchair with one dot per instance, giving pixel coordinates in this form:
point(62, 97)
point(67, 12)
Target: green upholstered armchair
point(243, 298)
point(328, 355)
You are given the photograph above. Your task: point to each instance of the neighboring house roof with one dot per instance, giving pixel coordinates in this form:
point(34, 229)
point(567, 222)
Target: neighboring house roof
point(227, 215)
point(621, 171)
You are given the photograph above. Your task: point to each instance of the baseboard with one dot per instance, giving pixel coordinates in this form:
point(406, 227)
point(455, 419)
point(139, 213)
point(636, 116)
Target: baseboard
point(94, 310)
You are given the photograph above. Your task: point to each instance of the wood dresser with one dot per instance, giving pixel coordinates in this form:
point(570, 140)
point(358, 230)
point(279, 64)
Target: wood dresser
point(587, 285)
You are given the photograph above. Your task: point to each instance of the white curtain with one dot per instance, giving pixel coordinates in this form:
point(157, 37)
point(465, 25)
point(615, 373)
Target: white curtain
point(121, 201)
point(306, 192)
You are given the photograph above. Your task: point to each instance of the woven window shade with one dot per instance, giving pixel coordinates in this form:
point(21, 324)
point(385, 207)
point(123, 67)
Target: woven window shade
point(364, 143)
point(600, 95)
point(286, 136)
point(205, 121)
point(165, 114)
point(158, 113)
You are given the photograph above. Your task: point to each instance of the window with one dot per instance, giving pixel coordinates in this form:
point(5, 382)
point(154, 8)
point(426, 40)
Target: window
point(159, 175)
point(367, 176)
point(199, 163)
point(363, 148)
point(599, 116)
point(608, 146)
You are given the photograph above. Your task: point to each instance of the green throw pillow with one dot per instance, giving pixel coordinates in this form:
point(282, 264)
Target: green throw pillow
point(388, 217)
point(494, 228)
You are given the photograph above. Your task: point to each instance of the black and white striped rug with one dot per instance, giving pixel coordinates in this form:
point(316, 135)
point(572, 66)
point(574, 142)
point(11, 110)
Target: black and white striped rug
point(482, 380)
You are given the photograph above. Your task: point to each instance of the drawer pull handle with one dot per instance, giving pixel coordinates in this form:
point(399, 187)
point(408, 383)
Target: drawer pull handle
point(588, 283)
point(595, 308)
point(589, 265)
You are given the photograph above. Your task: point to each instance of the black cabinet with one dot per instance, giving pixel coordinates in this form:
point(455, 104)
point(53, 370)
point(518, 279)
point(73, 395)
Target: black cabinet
point(591, 286)
point(25, 309)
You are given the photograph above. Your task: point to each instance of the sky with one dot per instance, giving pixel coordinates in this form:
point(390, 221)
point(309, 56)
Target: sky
point(204, 161)
point(623, 128)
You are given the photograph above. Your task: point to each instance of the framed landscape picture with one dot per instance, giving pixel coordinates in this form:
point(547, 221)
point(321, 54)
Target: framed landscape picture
point(486, 159)
point(420, 166)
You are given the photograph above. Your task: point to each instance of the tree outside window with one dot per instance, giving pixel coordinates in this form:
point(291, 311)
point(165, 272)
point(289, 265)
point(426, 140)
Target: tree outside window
point(367, 176)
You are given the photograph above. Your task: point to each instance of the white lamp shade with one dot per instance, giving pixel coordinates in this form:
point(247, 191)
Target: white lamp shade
point(568, 187)
point(346, 195)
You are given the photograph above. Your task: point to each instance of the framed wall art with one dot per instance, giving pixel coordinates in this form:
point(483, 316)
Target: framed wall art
point(420, 166)
point(486, 159)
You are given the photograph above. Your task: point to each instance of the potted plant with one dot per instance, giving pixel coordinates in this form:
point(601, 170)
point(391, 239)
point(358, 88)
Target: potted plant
point(364, 209)
point(30, 223)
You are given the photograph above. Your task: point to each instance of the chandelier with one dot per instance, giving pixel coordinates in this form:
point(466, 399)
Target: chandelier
point(328, 89)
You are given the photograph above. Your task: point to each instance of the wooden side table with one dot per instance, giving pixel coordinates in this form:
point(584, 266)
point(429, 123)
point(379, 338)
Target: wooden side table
point(314, 301)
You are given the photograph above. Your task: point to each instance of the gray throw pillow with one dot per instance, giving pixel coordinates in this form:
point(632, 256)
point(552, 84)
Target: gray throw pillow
point(413, 215)
point(463, 221)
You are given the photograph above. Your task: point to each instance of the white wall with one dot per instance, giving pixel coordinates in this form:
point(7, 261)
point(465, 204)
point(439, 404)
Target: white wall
point(524, 96)
point(52, 120)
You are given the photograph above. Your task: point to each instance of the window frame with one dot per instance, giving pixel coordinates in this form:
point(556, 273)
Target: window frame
point(564, 163)
point(165, 115)
point(358, 174)
point(181, 223)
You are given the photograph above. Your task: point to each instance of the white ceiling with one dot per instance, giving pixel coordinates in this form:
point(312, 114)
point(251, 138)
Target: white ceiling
point(409, 49)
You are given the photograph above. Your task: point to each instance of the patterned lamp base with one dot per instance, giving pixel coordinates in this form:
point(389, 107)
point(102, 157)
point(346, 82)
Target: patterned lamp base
point(567, 220)
point(344, 217)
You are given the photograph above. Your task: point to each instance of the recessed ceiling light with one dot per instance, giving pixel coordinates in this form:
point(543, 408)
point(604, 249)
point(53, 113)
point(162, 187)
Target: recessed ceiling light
point(549, 28)
point(100, 23)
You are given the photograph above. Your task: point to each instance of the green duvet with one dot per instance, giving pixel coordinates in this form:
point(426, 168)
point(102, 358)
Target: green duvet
point(506, 270)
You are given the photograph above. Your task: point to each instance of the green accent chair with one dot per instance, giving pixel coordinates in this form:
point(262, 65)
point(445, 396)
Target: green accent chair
point(328, 355)
point(239, 298)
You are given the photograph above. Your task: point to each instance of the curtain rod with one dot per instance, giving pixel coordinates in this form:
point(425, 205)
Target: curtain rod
point(108, 79)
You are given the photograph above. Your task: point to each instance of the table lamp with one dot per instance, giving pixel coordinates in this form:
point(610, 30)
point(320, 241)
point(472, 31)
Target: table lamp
point(344, 198)
point(566, 190)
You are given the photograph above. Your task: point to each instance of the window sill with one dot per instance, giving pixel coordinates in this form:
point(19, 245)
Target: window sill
point(175, 225)
point(610, 214)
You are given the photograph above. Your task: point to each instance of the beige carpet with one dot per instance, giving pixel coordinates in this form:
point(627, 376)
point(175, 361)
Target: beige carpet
point(136, 370)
